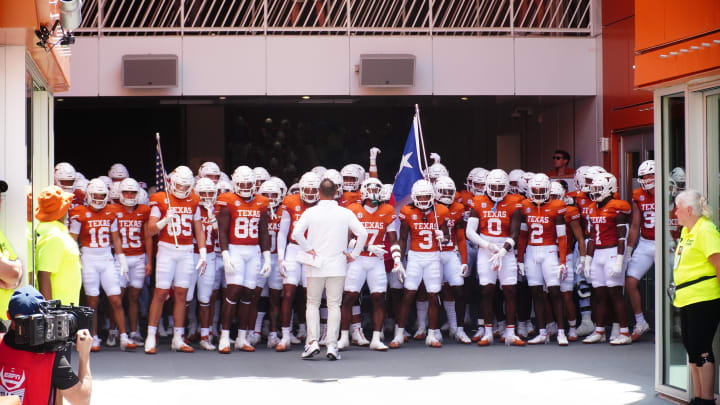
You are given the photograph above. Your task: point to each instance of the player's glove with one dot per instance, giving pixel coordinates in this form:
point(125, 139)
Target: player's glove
point(229, 266)
point(440, 236)
point(373, 155)
point(122, 261)
point(465, 270)
point(202, 262)
point(497, 258)
point(617, 268)
point(162, 222)
point(435, 157)
point(562, 272)
point(211, 216)
point(377, 250)
point(399, 270)
point(521, 269)
point(586, 269)
point(265, 269)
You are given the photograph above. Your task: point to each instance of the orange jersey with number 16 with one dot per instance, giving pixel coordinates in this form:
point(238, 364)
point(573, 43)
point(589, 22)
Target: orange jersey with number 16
point(93, 227)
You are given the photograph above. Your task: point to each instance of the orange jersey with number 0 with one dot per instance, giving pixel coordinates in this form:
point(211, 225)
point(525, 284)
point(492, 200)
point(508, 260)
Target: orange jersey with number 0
point(495, 220)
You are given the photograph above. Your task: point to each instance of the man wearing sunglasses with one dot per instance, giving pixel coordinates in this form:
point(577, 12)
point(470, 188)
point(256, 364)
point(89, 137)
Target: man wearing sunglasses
point(561, 159)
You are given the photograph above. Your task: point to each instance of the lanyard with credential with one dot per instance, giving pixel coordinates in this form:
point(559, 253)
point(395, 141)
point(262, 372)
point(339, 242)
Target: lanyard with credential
point(678, 255)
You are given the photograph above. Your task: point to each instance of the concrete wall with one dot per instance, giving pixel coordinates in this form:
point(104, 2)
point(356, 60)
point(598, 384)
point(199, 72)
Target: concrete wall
point(322, 65)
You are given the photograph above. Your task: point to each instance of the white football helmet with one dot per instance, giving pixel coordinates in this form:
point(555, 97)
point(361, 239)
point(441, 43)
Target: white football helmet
point(128, 185)
point(334, 176)
point(115, 192)
point(271, 190)
point(351, 178)
point(81, 184)
point(65, 176)
point(422, 194)
point(309, 185)
point(557, 191)
point(181, 182)
point(224, 176)
point(589, 176)
point(436, 170)
point(478, 181)
point(386, 193)
point(107, 180)
point(261, 176)
point(468, 179)
point(143, 197)
point(514, 177)
point(613, 182)
point(319, 171)
point(360, 171)
point(371, 189)
point(497, 184)
point(294, 188)
point(210, 170)
point(281, 184)
point(647, 168)
point(579, 178)
point(539, 187)
point(224, 186)
point(118, 172)
point(600, 188)
point(206, 189)
point(445, 190)
point(243, 180)
point(677, 175)
point(97, 194)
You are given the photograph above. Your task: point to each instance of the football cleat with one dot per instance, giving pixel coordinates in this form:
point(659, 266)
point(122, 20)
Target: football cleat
point(254, 337)
point(242, 344)
point(179, 345)
point(294, 340)
point(539, 340)
point(284, 344)
point(224, 345)
point(639, 329)
point(95, 344)
point(126, 343)
point(461, 337)
point(479, 334)
point(622, 339)
point(112, 339)
point(572, 336)
point(432, 341)
point(136, 338)
point(399, 338)
point(150, 345)
point(522, 330)
point(615, 331)
point(420, 334)
point(486, 340)
point(562, 340)
point(438, 335)
point(358, 338)
point(377, 344)
point(273, 340)
point(513, 340)
point(595, 337)
point(206, 344)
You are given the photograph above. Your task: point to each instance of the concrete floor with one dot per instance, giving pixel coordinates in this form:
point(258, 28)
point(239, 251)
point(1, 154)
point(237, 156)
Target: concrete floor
point(414, 374)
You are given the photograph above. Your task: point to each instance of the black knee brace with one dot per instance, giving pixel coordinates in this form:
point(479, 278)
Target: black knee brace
point(584, 290)
point(699, 360)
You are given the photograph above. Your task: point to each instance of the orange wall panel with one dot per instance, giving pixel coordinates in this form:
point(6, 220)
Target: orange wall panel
point(660, 22)
point(649, 23)
point(652, 67)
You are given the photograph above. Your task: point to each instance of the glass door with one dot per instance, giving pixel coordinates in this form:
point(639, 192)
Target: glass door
point(675, 373)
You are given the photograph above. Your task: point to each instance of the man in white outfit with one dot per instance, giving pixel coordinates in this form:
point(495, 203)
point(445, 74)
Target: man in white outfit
point(327, 225)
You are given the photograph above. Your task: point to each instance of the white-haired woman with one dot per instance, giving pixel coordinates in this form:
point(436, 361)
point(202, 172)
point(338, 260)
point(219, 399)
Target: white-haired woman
point(697, 289)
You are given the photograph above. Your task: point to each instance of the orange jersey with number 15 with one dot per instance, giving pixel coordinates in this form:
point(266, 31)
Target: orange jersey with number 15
point(130, 225)
point(423, 226)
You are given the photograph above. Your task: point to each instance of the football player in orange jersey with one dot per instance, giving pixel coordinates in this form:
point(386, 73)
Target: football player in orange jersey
point(243, 230)
point(542, 259)
point(138, 249)
point(608, 218)
point(175, 216)
point(292, 271)
point(424, 224)
point(96, 227)
point(574, 233)
point(379, 220)
point(641, 242)
point(271, 190)
point(453, 259)
point(353, 175)
point(206, 190)
point(498, 217)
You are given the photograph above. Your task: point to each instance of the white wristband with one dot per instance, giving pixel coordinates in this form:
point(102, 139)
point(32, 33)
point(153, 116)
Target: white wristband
point(511, 242)
point(266, 256)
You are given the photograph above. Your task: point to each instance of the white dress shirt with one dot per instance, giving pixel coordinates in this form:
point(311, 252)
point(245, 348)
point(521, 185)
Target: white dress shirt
point(327, 225)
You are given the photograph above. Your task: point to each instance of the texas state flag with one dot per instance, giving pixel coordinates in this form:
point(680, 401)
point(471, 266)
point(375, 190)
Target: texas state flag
point(410, 170)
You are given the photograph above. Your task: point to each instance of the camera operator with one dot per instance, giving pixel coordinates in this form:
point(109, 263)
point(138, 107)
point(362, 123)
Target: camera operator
point(35, 376)
point(10, 270)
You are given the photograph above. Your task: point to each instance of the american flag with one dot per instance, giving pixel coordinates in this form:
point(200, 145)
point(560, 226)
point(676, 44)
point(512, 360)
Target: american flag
point(159, 180)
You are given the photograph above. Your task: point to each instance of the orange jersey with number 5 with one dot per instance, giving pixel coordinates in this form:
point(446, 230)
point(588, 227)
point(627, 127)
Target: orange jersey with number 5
point(183, 212)
point(602, 220)
point(646, 202)
point(131, 228)
point(541, 222)
point(94, 226)
point(495, 220)
point(244, 217)
point(422, 226)
point(375, 223)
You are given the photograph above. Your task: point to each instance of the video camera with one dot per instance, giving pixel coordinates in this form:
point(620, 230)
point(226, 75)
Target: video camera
point(53, 328)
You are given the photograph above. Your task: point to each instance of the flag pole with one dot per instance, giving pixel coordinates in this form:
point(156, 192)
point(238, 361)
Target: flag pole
point(425, 172)
point(167, 194)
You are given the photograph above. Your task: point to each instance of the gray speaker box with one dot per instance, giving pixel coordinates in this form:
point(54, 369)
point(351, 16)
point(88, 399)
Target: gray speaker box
point(149, 71)
point(387, 70)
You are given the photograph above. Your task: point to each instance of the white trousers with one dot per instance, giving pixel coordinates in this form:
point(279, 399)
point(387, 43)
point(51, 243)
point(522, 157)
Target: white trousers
point(333, 287)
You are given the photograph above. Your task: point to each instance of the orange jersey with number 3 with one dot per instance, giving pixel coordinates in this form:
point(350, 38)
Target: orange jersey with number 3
point(131, 228)
point(495, 220)
point(244, 217)
point(541, 222)
point(183, 211)
point(375, 223)
point(95, 226)
point(422, 226)
point(646, 202)
point(604, 228)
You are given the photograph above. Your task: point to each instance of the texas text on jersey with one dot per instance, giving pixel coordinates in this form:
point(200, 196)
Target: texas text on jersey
point(495, 219)
point(375, 223)
point(423, 226)
point(183, 212)
point(244, 217)
point(646, 202)
point(93, 227)
point(603, 223)
point(274, 228)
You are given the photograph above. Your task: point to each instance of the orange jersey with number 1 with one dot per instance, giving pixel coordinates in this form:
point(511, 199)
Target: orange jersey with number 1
point(422, 226)
point(604, 227)
point(375, 223)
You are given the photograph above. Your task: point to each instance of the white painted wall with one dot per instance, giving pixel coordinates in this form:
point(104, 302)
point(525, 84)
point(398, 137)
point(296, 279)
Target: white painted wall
point(325, 65)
